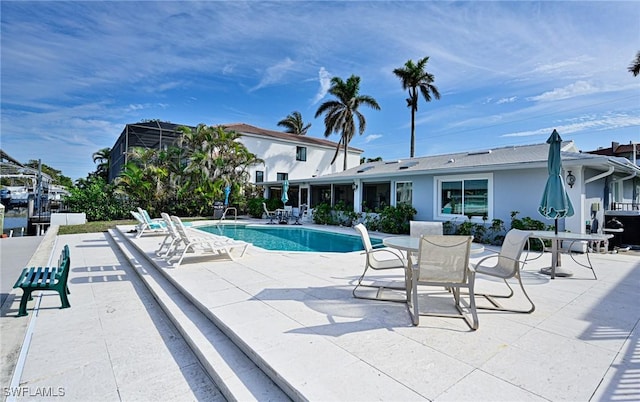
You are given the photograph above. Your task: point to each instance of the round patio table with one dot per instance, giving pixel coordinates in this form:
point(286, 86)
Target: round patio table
point(412, 244)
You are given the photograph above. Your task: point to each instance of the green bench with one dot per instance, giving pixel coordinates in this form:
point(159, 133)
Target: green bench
point(45, 278)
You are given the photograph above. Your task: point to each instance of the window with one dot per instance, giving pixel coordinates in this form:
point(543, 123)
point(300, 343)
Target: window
point(617, 191)
point(282, 176)
point(301, 154)
point(259, 176)
point(467, 196)
point(375, 196)
point(404, 193)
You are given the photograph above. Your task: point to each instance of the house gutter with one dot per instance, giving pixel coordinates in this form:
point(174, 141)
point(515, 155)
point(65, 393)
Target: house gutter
point(631, 176)
point(601, 175)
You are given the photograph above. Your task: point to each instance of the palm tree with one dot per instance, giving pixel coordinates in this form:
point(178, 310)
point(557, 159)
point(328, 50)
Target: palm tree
point(294, 124)
point(145, 177)
point(414, 77)
point(634, 67)
point(341, 113)
point(367, 160)
point(102, 157)
point(214, 158)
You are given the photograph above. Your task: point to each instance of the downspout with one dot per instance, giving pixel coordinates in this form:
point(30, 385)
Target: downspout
point(631, 176)
point(600, 176)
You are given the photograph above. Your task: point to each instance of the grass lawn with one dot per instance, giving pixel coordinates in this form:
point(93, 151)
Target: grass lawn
point(103, 226)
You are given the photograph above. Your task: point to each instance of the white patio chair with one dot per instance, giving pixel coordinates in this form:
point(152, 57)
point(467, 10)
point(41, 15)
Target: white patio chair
point(444, 261)
point(298, 214)
point(288, 212)
point(419, 228)
point(270, 214)
point(393, 261)
point(509, 263)
point(205, 244)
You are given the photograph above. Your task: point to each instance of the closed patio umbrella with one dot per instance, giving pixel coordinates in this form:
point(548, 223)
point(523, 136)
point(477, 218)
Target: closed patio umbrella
point(227, 191)
point(555, 202)
point(285, 188)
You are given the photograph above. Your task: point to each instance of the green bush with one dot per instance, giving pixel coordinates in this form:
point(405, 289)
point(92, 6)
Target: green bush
point(255, 208)
point(395, 220)
point(322, 215)
point(98, 201)
point(526, 223)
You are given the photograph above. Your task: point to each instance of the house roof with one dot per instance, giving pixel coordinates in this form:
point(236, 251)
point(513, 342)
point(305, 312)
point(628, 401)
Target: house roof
point(618, 149)
point(10, 167)
point(150, 129)
point(244, 128)
point(511, 157)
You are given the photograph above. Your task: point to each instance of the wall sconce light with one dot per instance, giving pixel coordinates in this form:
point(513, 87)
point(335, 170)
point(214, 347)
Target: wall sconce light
point(354, 186)
point(571, 179)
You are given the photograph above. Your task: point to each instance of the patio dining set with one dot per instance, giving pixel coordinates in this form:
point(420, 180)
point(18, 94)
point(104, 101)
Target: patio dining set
point(430, 258)
point(285, 215)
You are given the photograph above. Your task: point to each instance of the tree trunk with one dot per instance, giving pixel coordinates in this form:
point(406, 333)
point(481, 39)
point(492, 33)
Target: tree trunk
point(413, 129)
point(345, 155)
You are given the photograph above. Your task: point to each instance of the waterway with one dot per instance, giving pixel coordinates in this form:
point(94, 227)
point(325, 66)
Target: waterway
point(15, 222)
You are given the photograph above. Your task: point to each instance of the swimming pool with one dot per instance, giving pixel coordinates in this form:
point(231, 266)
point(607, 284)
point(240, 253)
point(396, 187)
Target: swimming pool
point(288, 238)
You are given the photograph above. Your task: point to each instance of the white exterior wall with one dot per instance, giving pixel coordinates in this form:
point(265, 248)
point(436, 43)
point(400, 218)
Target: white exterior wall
point(280, 157)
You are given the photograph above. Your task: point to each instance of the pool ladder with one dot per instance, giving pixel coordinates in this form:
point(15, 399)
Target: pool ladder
point(224, 214)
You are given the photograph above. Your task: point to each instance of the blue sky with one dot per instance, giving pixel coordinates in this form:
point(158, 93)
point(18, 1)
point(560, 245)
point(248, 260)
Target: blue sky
point(74, 73)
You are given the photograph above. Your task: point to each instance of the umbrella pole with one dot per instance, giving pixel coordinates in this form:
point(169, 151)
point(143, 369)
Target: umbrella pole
point(556, 225)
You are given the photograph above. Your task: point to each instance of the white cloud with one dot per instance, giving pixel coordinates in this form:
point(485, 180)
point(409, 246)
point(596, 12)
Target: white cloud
point(275, 73)
point(506, 100)
point(371, 137)
point(135, 107)
point(584, 123)
point(564, 66)
point(578, 88)
point(324, 78)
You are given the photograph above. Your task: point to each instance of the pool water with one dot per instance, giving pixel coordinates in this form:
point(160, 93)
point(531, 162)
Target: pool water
point(291, 238)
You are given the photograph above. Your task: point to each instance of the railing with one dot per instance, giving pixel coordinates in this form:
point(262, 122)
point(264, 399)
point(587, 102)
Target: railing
point(625, 206)
point(235, 213)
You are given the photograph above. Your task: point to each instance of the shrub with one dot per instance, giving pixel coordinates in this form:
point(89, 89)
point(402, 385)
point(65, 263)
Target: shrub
point(322, 215)
point(395, 220)
point(255, 208)
point(526, 223)
point(98, 201)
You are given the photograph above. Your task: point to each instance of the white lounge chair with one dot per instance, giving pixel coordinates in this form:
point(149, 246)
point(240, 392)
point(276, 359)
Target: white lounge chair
point(508, 265)
point(171, 241)
point(443, 261)
point(205, 244)
point(393, 260)
point(146, 224)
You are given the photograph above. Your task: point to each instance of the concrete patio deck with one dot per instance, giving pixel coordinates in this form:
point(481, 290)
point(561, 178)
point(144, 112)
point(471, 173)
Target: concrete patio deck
point(278, 325)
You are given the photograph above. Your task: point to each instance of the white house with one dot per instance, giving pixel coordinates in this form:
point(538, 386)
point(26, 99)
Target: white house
point(285, 156)
point(291, 156)
point(488, 184)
